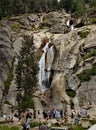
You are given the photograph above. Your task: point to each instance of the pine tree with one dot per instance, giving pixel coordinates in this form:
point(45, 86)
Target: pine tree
point(26, 74)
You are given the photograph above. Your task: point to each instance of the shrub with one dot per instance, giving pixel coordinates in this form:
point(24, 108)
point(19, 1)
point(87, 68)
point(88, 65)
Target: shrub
point(34, 124)
point(71, 93)
point(92, 21)
point(89, 54)
point(78, 127)
point(15, 27)
point(8, 81)
point(14, 128)
point(83, 34)
point(85, 75)
point(5, 127)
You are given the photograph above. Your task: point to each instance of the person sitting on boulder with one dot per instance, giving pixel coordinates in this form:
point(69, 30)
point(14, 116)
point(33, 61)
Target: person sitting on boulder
point(70, 25)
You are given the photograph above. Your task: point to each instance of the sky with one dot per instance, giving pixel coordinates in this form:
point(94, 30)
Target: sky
point(58, 0)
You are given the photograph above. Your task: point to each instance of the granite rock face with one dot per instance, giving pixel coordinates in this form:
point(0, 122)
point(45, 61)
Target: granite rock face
point(74, 56)
point(6, 59)
point(70, 56)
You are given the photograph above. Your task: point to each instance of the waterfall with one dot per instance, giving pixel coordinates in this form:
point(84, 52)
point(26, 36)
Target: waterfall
point(42, 73)
point(50, 59)
point(45, 65)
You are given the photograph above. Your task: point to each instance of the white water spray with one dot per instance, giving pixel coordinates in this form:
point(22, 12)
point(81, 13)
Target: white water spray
point(45, 65)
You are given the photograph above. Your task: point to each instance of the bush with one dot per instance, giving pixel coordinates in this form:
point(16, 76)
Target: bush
point(89, 54)
point(34, 124)
point(5, 127)
point(15, 27)
point(83, 34)
point(8, 81)
point(71, 93)
point(85, 75)
point(78, 127)
point(92, 21)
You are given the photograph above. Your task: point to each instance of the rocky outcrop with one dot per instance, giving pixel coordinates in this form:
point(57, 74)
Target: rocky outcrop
point(75, 59)
point(75, 55)
point(55, 22)
point(72, 62)
point(6, 60)
point(59, 98)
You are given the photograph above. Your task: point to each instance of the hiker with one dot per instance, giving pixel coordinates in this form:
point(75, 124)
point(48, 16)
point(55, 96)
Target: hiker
point(43, 126)
point(72, 113)
point(84, 112)
point(70, 25)
point(28, 120)
point(5, 117)
point(34, 114)
point(39, 114)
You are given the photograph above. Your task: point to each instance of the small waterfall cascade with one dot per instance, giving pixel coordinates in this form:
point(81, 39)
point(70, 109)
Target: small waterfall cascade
point(45, 65)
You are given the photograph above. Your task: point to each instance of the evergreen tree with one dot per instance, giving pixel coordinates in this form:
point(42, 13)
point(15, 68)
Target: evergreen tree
point(0, 13)
point(92, 3)
point(26, 74)
point(54, 4)
point(78, 7)
point(16, 7)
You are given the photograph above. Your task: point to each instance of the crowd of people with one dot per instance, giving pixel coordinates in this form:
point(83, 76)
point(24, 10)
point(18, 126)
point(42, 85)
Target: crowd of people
point(58, 114)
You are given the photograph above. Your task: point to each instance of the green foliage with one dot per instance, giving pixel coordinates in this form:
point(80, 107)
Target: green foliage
point(86, 74)
point(34, 124)
point(15, 27)
point(71, 93)
point(78, 7)
point(5, 127)
point(89, 54)
point(83, 34)
point(78, 127)
point(27, 102)
point(17, 7)
point(8, 81)
point(81, 46)
point(14, 128)
point(26, 74)
point(66, 4)
point(92, 21)
point(92, 3)
point(0, 13)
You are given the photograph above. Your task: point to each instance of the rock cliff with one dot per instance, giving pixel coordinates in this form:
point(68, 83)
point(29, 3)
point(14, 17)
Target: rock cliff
point(69, 66)
point(6, 62)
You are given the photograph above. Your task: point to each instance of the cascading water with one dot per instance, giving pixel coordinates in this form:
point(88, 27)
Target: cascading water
point(45, 65)
point(42, 73)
